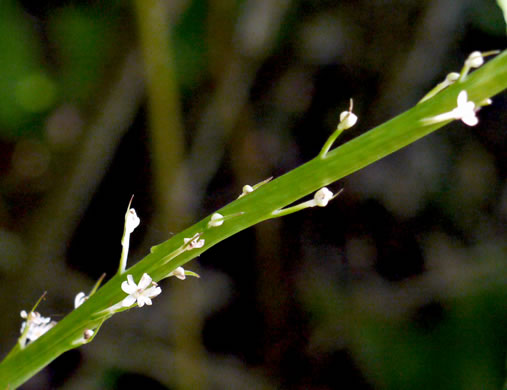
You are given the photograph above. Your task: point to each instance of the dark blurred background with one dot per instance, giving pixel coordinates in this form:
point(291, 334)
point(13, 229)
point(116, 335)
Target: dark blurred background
point(400, 283)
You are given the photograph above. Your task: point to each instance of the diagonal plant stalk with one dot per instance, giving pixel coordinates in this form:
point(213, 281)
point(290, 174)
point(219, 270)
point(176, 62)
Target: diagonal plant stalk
point(248, 210)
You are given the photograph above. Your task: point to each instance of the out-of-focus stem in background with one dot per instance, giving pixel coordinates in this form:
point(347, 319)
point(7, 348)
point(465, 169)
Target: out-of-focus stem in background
point(169, 181)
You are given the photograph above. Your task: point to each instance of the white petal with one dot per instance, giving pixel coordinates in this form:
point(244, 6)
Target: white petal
point(470, 120)
point(141, 300)
point(79, 299)
point(128, 288)
point(144, 282)
point(128, 301)
point(462, 98)
point(152, 292)
point(468, 108)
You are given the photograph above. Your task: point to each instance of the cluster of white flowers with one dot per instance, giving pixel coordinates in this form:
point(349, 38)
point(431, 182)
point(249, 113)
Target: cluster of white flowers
point(465, 110)
point(37, 325)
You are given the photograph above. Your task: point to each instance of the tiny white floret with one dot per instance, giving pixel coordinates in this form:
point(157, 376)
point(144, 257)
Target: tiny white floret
point(246, 190)
point(79, 299)
point(87, 334)
point(465, 111)
point(179, 273)
point(322, 197)
point(194, 242)
point(347, 120)
point(142, 292)
point(452, 77)
point(37, 325)
point(131, 221)
point(475, 59)
point(217, 219)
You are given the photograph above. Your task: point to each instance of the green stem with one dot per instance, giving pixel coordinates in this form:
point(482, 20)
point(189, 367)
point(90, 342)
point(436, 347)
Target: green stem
point(255, 207)
point(330, 141)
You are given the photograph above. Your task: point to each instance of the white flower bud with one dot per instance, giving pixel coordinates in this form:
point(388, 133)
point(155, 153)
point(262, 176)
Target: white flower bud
point(217, 219)
point(131, 221)
point(452, 77)
point(179, 273)
point(87, 334)
point(322, 197)
point(246, 190)
point(347, 120)
point(475, 59)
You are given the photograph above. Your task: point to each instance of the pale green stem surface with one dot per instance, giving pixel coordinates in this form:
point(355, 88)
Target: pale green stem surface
point(253, 208)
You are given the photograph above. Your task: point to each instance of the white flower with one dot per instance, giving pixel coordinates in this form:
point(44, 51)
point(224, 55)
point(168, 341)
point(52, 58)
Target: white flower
point(142, 292)
point(246, 190)
point(131, 221)
point(347, 120)
point(194, 242)
point(79, 299)
point(451, 78)
point(37, 325)
point(322, 197)
point(465, 111)
point(179, 273)
point(474, 60)
point(217, 219)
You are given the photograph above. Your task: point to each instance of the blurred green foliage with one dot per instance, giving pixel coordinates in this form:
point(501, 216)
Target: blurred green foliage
point(190, 45)
point(22, 81)
point(81, 38)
